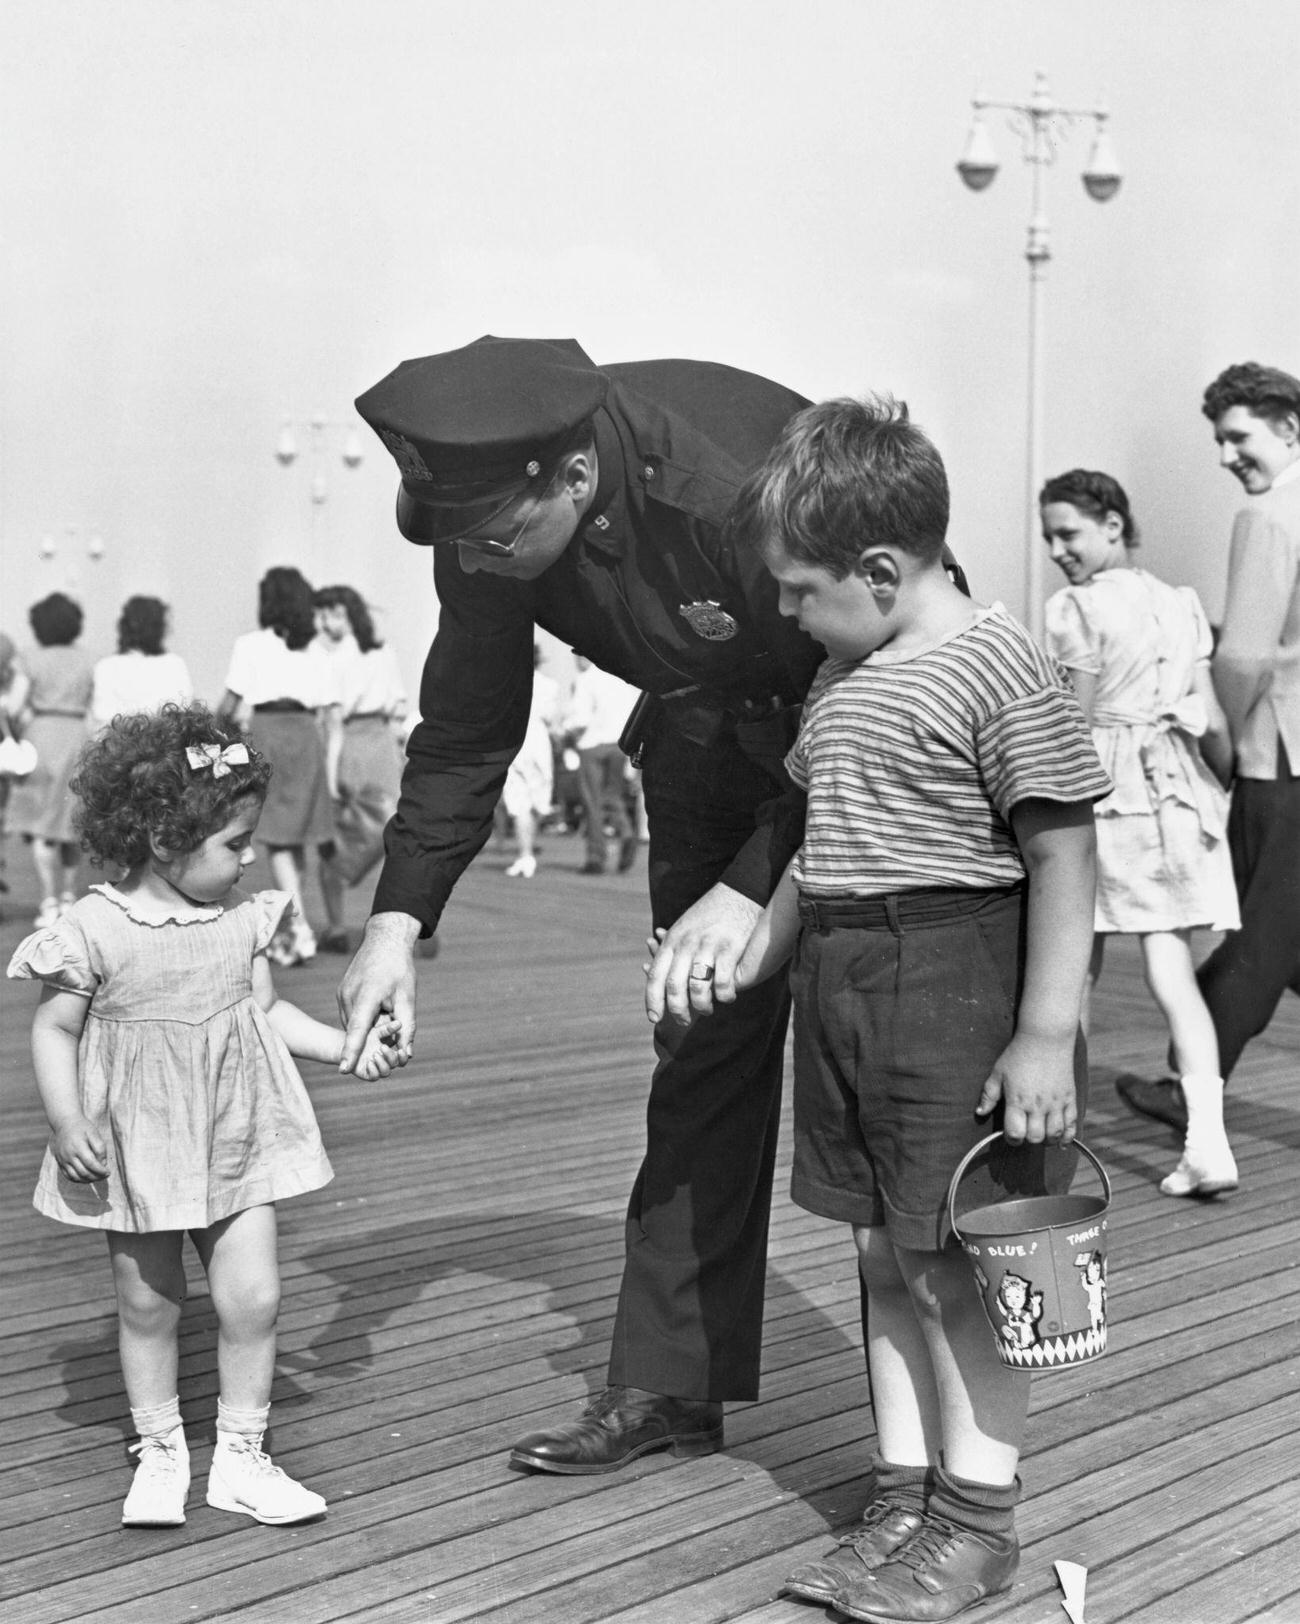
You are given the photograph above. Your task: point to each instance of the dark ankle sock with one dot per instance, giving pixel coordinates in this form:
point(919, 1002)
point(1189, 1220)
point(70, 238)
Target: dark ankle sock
point(906, 1486)
point(986, 1508)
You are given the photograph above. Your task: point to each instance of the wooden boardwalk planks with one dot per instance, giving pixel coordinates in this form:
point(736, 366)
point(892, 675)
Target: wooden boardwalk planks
point(455, 1286)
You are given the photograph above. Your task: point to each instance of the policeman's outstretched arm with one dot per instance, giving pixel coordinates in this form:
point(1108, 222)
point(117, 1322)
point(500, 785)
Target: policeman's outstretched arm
point(698, 955)
point(381, 978)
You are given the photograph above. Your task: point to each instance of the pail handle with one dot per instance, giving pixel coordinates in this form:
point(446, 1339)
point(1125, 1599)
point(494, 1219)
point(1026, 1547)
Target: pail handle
point(984, 1144)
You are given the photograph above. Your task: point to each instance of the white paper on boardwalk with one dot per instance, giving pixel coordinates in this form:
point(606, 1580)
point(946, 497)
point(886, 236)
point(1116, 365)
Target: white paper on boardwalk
point(1073, 1579)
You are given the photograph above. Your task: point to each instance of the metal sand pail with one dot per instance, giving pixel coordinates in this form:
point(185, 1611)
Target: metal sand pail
point(1040, 1263)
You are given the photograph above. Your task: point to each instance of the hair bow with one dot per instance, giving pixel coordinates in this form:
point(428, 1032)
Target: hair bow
point(203, 756)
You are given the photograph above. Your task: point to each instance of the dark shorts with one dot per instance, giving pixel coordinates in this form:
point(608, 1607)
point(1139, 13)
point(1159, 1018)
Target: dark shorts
point(901, 1006)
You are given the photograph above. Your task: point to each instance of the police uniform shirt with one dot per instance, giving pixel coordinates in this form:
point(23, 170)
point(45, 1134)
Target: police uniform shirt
point(649, 547)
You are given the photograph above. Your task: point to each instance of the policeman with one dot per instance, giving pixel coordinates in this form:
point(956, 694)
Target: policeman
point(591, 501)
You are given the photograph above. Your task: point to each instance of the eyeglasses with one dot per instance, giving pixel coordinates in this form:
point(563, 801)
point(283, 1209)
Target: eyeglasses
point(504, 549)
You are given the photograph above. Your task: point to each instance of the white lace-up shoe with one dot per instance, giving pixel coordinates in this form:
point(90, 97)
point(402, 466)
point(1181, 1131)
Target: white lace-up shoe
point(245, 1479)
point(1207, 1168)
point(523, 868)
point(160, 1484)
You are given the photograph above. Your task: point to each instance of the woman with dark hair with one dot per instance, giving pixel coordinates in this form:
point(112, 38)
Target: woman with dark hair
point(141, 676)
point(54, 721)
point(1138, 656)
point(281, 688)
point(368, 770)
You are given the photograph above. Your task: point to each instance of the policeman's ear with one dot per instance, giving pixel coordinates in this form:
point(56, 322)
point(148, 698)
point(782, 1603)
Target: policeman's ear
point(576, 475)
point(879, 570)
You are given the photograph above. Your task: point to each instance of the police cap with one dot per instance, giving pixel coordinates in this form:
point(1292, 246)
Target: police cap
point(470, 428)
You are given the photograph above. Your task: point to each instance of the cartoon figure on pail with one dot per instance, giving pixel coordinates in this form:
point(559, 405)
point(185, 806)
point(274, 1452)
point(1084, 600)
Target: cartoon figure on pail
point(1040, 1265)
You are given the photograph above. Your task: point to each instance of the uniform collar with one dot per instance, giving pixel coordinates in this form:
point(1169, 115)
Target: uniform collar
point(604, 526)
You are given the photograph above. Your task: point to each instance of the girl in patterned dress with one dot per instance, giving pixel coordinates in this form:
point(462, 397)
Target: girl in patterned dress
point(1138, 653)
point(163, 1061)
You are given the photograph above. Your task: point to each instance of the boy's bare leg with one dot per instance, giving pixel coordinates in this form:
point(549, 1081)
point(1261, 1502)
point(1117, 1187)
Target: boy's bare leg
point(983, 1403)
point(904, 1394)
point(905, 1401)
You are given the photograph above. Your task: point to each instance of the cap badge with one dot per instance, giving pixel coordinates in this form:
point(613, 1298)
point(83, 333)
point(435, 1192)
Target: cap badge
point(709, 619)
point(405, 455)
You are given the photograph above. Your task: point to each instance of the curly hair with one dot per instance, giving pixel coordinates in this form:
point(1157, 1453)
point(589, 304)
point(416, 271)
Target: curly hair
point(284, 606)
point(142, 625)
point(56, 620)
point(1267, 392)
point(344, 597)
point(844, 475)
point(134, 784)
point(1095, 494)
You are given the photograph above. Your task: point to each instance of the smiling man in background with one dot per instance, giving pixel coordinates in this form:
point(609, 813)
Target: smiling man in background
point(1256, 668)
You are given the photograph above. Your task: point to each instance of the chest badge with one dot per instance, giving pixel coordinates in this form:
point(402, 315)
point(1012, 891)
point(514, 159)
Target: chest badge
point(709, 619)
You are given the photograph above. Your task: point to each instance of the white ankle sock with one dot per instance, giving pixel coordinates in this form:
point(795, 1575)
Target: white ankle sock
point(1204, 1096)
point(233, 1423)
point(159, 1421)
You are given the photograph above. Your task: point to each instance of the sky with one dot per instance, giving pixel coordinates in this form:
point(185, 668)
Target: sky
point(229, 214)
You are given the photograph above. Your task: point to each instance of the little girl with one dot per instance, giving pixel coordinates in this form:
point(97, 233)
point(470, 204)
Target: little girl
point(162, 1056)
point(1137, 652)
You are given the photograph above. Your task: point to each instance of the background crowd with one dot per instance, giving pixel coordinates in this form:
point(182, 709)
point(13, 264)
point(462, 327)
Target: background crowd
point(322, 695)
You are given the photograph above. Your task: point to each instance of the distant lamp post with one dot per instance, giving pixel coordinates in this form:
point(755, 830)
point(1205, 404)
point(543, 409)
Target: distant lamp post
point(1041, 124)
point(318, 430)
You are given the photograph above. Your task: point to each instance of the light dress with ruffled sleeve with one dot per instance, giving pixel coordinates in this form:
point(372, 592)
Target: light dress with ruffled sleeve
point(1163, 862)
point(200, 1105)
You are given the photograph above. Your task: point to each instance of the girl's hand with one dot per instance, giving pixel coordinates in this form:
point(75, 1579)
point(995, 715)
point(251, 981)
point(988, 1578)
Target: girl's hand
point(378, 1057)
point(78, 1148)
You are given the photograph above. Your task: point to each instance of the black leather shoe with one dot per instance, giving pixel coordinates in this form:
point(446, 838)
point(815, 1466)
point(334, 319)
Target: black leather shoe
point(617, 1426)
point(883, 1529)
point(940, 1572)
point(1162, 1100)
point(592, 867)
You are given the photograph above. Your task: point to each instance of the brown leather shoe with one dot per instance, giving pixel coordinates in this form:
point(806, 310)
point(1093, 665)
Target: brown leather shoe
point(617, 1426)
point(883, 1529)
point(1162, 1100)
point(942, 1570)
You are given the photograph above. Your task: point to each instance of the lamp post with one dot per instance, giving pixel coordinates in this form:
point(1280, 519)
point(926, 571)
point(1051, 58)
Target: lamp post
point(318, 429)
point(1040, 123)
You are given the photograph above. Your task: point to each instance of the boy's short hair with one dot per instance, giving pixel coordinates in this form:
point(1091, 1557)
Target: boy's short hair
point(847, 474)
point(1267, 392)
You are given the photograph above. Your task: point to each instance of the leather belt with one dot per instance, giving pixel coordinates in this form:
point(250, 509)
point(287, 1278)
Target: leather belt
point(924, 907)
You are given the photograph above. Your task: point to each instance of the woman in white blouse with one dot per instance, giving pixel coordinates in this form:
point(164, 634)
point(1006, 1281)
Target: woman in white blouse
point(283, 692)
point(368, 770)
point(141, 675)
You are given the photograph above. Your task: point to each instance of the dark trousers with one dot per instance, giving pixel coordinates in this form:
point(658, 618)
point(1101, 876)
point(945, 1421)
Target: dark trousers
point(690, 1311)
point(1244, 978)
point(600, 774)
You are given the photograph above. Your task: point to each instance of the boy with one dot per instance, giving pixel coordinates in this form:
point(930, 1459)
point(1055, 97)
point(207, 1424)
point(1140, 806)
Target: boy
point(942, 902)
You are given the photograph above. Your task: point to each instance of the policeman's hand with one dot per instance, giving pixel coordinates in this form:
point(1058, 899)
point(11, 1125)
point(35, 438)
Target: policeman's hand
point(380, 980)
point(695, 962)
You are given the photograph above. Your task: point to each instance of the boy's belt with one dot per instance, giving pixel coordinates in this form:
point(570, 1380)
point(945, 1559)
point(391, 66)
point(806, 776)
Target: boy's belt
point(924, 907)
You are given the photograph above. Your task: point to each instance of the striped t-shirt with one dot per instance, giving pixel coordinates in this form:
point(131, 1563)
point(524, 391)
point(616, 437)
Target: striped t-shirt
point(913, 762)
